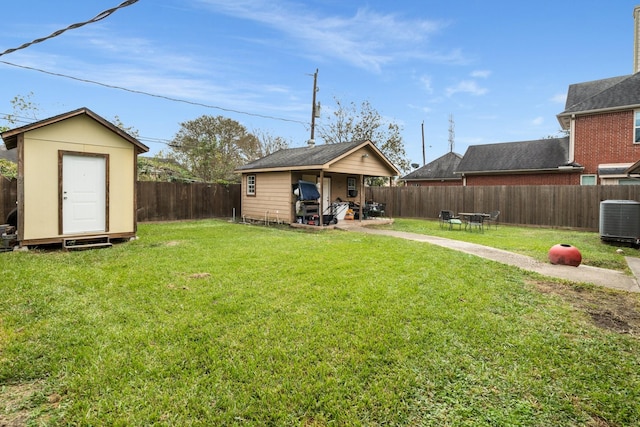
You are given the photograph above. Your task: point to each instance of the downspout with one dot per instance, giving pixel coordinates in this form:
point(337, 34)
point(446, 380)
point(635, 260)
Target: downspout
point(572, 139)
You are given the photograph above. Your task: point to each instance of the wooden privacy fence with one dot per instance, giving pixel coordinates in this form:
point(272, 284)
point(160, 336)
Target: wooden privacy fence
point(8, 197)
point(549, 206)
point(161, 201)
point(167, 201)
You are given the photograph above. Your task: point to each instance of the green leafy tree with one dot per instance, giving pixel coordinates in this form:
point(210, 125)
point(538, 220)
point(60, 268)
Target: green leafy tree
point(212, 147)
point(8, 169)
point(159, 168)
point(350, 123)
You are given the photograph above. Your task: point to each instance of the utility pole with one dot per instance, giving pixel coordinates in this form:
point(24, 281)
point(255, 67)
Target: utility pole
point(314, 112)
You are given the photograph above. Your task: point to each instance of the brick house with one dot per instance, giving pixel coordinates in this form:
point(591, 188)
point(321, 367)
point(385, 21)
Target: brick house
point(538, 162)
point(602, 120)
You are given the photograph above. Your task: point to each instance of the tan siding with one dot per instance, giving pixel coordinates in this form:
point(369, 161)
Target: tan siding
point(355, 163)
point(83, 135)
point(273, 197)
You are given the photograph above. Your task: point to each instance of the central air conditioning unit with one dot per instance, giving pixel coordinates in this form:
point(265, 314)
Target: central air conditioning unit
point(620, 221)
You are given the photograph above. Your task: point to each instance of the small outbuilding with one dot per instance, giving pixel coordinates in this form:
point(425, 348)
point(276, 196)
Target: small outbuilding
point(76, 180)
point(338, 170)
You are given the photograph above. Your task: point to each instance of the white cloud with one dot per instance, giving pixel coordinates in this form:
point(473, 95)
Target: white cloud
point(426, 84)
point(366, 39)
point(466, 86)
point(559, 98)
point(481, 74)
point(537, 121)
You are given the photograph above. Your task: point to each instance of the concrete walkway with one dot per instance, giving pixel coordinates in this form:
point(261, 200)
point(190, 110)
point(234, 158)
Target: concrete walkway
point(582, 274)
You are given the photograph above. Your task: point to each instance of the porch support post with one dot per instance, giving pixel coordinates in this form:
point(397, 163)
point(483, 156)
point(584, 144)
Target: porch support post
point(361, 194)
point(320, 210)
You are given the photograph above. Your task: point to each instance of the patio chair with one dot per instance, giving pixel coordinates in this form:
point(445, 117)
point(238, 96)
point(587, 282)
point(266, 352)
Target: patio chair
point(493, 218)
point(475, 220)
point(447, 217)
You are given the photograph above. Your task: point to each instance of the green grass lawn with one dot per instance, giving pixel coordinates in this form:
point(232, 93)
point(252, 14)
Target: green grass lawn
point(213, 323)
point(531, 241)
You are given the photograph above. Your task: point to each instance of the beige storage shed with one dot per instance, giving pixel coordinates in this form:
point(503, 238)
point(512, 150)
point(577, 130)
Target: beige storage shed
point(76, 180)
point(339, 170)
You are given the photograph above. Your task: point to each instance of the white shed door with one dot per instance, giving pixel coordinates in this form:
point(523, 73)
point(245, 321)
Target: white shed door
point(84, 194)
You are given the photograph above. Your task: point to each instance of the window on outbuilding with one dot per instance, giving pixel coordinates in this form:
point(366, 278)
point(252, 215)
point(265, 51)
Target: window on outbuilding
point(588, 179)
point(351, 187)
point(251, 185)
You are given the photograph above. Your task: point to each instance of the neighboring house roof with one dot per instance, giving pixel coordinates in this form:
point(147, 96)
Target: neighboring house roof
point(442, 168)
point(315, 157)
point(10, 137)
point(549, 154)
point(601, 95)
point(10, 155)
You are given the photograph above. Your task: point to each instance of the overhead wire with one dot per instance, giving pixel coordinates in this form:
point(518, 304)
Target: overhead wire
point(168, 98)
point(97, 18)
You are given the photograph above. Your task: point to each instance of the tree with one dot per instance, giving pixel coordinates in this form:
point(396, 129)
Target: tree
point(128, 129)
point(212, 147)
point(159, 168)
point(8, 169)
point(352, 124)
point(23, 108)
point(269, 144)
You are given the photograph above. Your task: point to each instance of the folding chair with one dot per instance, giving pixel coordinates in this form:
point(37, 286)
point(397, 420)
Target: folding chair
point(493, 217)
point(447, 217)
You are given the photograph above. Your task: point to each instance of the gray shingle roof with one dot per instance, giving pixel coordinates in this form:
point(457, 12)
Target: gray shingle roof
point(614, 92)
point(302, 157)
point(542, 154)
point(443, 167)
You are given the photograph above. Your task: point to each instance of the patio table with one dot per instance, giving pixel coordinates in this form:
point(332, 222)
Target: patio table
point(467, 216)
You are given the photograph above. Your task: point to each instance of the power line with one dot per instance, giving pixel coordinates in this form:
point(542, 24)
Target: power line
point(97, 18)
point(168, 98)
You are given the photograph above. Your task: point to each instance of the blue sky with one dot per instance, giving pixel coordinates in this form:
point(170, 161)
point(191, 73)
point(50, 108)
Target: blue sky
point(500, 68)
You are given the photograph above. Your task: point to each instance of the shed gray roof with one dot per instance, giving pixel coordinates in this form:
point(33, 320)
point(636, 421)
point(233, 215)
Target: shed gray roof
point(443, 167)
point(541, 154)
point(606, 94)
point(310, 157)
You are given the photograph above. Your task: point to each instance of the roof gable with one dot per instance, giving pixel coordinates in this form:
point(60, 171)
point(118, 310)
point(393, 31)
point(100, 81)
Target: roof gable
point(315, 157)
point(10, 137)
point(542, 154)
point(443, 167)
